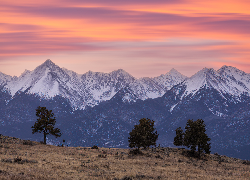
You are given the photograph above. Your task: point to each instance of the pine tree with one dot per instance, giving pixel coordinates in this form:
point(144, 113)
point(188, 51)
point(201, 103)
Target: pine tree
point(178, 140)
point(193, 137)
point(45, 123)
point(143, 135)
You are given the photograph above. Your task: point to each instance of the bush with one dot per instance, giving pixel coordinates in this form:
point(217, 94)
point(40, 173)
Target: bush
point(94, 147)
point(18, 159)
point(102, 155)
point(27, 142)
point(246, 162)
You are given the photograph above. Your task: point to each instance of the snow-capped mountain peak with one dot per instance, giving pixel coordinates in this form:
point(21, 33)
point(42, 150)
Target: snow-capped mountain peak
point(122, 74)
point(227, 80)
point(202, 78)
point(89, 89)
point(4, 79)
point(174, 72)
point(43, 80)
point(25, 72)
point(48, 63)
point(237, 79)
point(168, 80)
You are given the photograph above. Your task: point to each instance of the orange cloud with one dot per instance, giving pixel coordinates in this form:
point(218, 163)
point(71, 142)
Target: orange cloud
point(52, 27)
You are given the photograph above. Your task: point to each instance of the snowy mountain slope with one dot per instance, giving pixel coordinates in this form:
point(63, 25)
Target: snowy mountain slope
point(219, 91)
point(41, 80)
point(145, 88)
point(208, 78)
point(227, 80)
point(49, 80)
point(170, 79)
point(4, 79)
point(238, 80)
point(103, 86)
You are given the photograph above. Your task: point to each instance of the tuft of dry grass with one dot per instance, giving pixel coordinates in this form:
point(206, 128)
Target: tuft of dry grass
point(21, 159)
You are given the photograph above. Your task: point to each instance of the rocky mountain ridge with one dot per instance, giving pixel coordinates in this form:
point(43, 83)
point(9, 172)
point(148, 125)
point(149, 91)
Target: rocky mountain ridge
point(89, 89)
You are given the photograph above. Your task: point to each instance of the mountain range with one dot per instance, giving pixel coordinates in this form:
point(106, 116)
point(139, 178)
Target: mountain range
point(102, 108)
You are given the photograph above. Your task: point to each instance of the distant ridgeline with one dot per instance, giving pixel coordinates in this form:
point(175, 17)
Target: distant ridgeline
point(102, 108)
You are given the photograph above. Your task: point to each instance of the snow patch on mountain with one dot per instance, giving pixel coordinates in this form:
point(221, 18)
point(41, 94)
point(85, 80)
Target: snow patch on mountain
point(91, 88)
point(227, 80)
point(46, 86)
point(4, 79)
point(19, 84)
point(238, 81)
point(170, 79)
point(195, 82)
point(172, 107)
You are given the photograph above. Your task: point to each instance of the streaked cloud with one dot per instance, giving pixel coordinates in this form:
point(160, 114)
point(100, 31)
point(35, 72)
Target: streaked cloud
point(100, 35)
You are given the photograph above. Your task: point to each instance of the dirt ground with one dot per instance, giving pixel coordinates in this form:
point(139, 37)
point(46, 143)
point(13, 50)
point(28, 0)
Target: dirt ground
point(20, 159)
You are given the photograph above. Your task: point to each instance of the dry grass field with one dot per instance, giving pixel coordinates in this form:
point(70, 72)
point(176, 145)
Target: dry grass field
point(20, 159)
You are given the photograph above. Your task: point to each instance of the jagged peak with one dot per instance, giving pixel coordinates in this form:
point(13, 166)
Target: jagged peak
point(119, 71)
point(5, 77)
point(204, 71)
point(92, 73)
point(25, 72)
point(145, 79)
point(225, 66)
point(208, 77)
point(49, 63)
point(173, 70)
point(228, 68)
point(199, 79)
point(2, 74)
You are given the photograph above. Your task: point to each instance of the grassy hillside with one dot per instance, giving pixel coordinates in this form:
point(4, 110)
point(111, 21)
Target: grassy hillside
point(21, 159)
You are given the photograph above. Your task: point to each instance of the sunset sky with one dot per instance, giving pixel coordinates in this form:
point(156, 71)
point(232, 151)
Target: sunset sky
point(146, 38)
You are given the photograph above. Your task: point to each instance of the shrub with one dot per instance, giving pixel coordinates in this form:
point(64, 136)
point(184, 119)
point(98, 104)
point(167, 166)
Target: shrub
point(18, 159)
point(102, 155)
point(27, 142)
point(94, 147)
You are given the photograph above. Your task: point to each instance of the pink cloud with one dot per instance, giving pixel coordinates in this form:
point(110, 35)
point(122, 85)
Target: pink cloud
point(108, 35)
point(230, 25)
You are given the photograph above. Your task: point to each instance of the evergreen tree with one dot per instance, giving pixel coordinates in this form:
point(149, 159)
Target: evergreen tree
point(45, 123)
point(143, 135)
point(178, 140)
point(193, 137)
